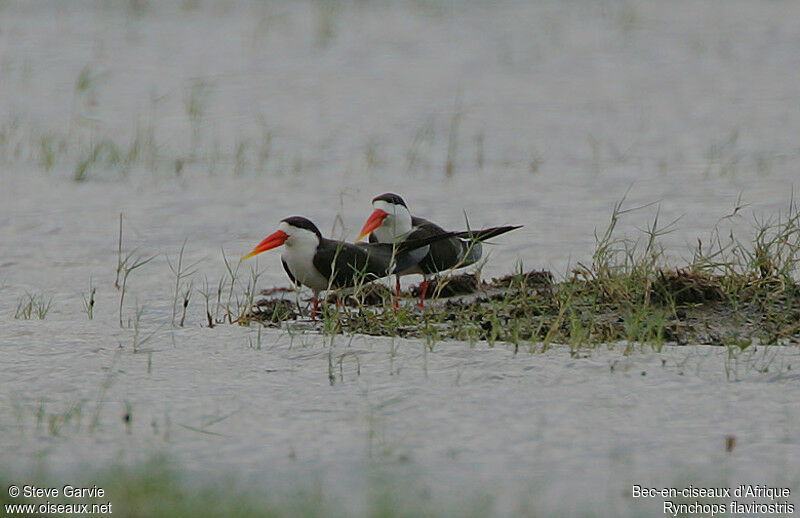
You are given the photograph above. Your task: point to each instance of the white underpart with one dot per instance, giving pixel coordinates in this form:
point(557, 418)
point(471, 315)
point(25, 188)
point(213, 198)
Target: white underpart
point(396, 225)
point(298, 252)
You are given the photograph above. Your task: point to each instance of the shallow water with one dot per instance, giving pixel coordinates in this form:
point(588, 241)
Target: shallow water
point(556, 112)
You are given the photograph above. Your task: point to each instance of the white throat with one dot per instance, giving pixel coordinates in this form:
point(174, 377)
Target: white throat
point(396, 225)
point(298, 253)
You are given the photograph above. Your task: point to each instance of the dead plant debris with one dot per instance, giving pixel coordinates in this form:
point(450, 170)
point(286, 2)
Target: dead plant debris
point(678, 306)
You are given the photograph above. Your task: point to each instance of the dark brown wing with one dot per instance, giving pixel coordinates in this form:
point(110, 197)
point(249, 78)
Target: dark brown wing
point(462, 249)
point(443, 254)
point(347, 265)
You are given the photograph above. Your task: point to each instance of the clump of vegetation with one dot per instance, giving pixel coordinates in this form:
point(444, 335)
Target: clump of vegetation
point(33, 305)
point(730, 293)
point(89, 300)
point(103, 153)
point(125, 266)
point(273, 311)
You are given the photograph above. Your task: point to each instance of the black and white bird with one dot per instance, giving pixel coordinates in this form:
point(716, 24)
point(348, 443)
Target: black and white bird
point(392, 222)
point(322, 264)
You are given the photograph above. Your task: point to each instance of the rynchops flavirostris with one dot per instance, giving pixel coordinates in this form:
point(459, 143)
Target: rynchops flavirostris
point(321, 264)
point(392, 222)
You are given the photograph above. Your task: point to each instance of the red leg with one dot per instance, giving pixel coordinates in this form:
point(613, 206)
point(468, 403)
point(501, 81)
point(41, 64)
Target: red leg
point(316, 306)
point(423, 290)
point(397, 292)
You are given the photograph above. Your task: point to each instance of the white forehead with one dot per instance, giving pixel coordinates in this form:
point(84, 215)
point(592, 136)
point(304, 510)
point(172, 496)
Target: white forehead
point(291, 230)
point(389, 208)
point(286, 228)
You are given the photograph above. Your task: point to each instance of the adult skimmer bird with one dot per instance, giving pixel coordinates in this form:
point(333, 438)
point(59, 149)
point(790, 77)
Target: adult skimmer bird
point(392, 222)
point(322, 264)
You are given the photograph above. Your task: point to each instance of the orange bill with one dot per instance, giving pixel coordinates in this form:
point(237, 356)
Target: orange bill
point(274, 240)
point(374, 221)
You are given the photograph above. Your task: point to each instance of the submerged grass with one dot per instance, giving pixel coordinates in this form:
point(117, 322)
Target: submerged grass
point(731, 293)
point(159, 489)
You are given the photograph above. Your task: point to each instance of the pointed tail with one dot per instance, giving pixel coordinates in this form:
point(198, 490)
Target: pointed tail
point(487, 233)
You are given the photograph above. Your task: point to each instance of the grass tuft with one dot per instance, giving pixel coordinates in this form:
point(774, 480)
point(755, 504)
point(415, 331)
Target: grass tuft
point(33, 305)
